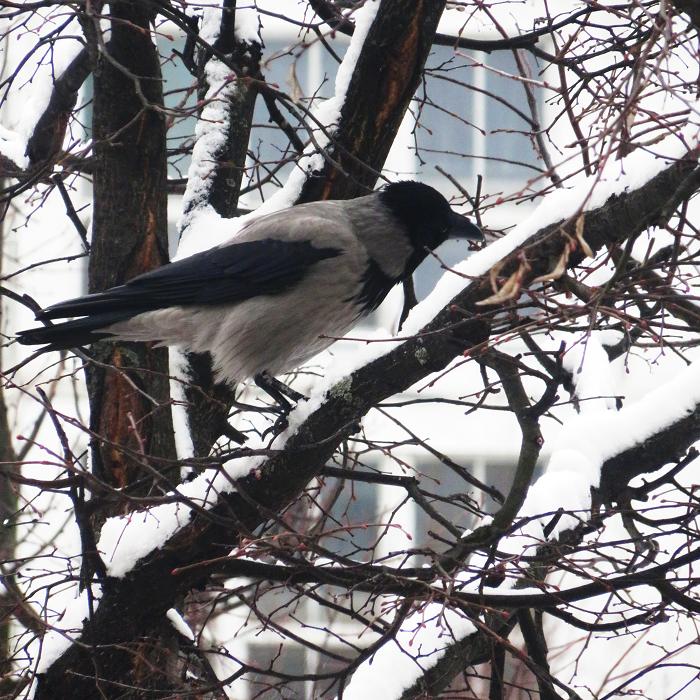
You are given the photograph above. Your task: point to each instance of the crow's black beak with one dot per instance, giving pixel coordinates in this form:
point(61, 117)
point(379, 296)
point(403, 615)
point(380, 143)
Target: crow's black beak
point(461, 227)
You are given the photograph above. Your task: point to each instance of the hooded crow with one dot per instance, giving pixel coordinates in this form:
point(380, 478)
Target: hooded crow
point(276, 294)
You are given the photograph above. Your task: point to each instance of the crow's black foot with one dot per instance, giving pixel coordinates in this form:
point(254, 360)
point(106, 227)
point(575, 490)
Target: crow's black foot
point(281, 394)
point(279, 426)
point(279, 391)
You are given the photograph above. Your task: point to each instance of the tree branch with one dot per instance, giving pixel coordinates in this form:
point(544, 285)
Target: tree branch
point(134, 604)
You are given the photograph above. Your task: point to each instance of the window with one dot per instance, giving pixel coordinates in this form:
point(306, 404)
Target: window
point(179, 96)
point(290, 659)
point(508, 148)
point(472, 119)
point(444, 110)
point(286, 661)
point(352, 517)
point(453, 497)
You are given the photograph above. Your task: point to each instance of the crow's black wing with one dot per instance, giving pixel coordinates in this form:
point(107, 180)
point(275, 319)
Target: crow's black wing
point(222, 275)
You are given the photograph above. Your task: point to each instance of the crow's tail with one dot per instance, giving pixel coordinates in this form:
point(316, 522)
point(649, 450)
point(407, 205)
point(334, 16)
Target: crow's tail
point(72, 334)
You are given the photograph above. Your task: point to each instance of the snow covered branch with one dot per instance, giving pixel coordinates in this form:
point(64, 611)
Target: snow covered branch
point(46, 80)
point(223, 125)
point(138, 599)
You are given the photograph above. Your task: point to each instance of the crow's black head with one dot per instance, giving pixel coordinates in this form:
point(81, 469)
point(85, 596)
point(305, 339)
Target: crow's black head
point(426, 214)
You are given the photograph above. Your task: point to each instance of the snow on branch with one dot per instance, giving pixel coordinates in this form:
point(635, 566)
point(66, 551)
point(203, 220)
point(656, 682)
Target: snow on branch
point(223, 76)
point(422, 639)
point(47, 64)
point(128, 540)
point(143, 548)
point(587, 442)
point(202, 227)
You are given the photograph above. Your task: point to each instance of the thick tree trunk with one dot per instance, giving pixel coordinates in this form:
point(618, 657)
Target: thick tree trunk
point(129, 401)
point(385, 79)
point(129, 390)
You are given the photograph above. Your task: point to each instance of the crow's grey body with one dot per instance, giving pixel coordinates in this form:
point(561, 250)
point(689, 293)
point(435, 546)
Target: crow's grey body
point(280, 292)
point(245, 339)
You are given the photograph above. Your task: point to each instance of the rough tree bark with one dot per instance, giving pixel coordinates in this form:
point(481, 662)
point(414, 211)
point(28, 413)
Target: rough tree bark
point(129, 388)
point(129, 401)
point(371, 123)
point(129, 636)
